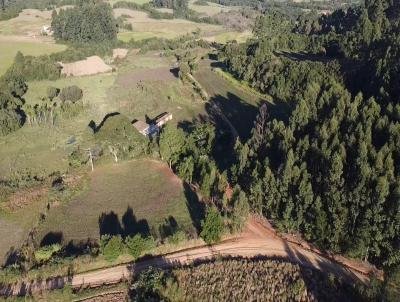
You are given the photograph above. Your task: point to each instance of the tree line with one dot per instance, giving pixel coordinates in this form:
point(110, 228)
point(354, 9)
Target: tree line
point(331, 170)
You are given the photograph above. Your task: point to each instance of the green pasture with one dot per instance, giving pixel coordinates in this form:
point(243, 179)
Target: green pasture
point(138, 195)
point(9, 48)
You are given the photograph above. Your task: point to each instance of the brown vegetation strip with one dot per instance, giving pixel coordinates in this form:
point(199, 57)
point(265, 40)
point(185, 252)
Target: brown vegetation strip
point(158, 74)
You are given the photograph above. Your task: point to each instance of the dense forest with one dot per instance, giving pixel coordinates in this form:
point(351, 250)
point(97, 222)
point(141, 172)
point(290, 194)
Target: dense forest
point(87, 21)
point(331, 170)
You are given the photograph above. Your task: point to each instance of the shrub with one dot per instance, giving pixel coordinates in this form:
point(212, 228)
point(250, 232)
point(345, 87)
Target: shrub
point(52, 92)
point(177, 237)
point(137, 244)
point(113, 248)
point(45, 253)
point(10, 121)
point(212, 227)
point(71, 93)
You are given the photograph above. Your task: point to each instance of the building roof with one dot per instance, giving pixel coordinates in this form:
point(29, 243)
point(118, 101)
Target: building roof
point(140, 126)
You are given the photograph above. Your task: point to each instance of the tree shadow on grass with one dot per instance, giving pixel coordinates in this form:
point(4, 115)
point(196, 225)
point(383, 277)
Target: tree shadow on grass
point(52, 238)
point(109, 224)
point(195, 206)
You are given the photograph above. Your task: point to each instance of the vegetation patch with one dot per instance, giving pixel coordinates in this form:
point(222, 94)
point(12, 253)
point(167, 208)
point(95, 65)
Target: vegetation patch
point(240, 280)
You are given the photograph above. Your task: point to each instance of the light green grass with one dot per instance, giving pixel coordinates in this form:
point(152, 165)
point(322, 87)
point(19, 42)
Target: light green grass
point(149, 188)
point(137, 36)
point(211, 9)
point(112, 2)
point(45, 148)
point(230, 36)
point(9, 48)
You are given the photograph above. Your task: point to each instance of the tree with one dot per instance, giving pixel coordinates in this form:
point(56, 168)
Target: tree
point(113, 248)
point(212, 226)
point(71, 93)
point(172, 144)
point(137, 244)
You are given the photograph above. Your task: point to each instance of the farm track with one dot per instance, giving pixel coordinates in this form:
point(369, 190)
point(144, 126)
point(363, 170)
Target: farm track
point(257, 240)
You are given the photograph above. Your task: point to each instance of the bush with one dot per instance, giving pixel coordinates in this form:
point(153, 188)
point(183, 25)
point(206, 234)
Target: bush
point(10, 121)
point(45, 253)
point(113, 248)
point(212, 227)
point(137, 245)
point(71, 93)
point(177, 237)
point(52, 92)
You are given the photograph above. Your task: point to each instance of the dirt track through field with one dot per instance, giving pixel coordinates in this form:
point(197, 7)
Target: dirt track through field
point(256, 241)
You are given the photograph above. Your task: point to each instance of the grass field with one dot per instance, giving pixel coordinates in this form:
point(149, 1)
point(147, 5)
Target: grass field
point(9, 46)
point(28, 23)
point(146, 27)
point(149, 188)
point(45, 148)
point(211, 9)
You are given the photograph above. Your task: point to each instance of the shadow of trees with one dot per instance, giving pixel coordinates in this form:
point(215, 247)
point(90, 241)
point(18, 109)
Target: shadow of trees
point(195, 207)
point(96, 128)
point(109, 224)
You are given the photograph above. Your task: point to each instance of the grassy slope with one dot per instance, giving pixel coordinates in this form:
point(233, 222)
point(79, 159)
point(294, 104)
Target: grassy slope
point(148, 187)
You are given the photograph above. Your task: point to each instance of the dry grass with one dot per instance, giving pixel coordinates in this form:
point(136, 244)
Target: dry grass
point(89, 66)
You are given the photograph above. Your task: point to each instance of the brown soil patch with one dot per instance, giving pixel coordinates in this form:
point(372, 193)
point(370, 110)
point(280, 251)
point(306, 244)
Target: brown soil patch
point(25, 197)
point(133, 78)
point(92, 65)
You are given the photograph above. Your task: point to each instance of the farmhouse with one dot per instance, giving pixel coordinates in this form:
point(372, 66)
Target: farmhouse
point(154, 126)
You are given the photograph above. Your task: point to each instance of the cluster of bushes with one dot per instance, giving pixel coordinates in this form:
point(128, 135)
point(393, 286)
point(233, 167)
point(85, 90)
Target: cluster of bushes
point(57, 103)
point(32, 68)
point(114, 246)
point(240, 280)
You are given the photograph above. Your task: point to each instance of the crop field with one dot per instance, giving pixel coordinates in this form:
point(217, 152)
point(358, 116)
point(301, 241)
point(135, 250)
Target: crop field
point(144, 193)
point(146, 27)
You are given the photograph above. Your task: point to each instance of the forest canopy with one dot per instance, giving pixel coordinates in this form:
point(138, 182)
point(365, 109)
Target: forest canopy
point(88, 21)
point(331, 170)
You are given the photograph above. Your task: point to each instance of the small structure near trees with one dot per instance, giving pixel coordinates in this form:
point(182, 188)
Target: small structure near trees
point(148, 129)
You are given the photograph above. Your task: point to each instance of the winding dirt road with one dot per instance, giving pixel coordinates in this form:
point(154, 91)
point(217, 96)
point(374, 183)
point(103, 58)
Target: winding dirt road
point(256, 241)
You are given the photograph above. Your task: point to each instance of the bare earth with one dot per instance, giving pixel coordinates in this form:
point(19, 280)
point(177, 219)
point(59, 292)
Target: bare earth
point(258, 240)
point(156, 74)
point(92, 65)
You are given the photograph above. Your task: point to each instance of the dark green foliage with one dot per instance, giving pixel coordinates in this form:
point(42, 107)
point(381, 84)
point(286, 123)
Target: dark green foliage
point(34, 68)
point(88, 21)
point(71, 93)
point(213, 227)
point(137, 244)
point(10, 121)
point(392, 284)
point(117, 136)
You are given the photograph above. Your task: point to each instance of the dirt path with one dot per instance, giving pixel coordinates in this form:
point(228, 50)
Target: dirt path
point(257, 240)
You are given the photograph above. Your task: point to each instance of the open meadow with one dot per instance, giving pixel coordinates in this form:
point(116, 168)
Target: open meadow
point(145, 27)
point(136, 195)
point(211, 8)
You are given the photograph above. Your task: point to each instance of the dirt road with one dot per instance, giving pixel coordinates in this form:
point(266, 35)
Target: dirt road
point(257, 240)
